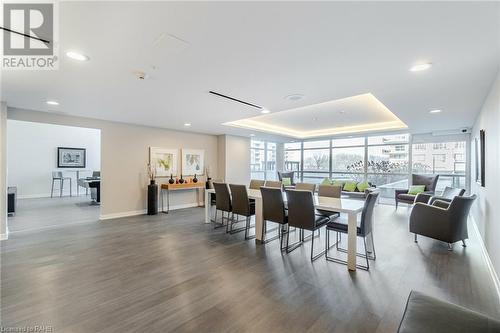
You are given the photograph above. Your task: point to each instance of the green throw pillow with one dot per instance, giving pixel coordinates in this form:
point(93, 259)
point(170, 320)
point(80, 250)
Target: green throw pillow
point(286, 181)
point(326, 181)
point(416, 189)
point(350, 186)
point(338, 183)
point(363, 186)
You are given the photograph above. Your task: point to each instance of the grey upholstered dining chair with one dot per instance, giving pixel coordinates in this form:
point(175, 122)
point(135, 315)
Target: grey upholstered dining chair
point(430, 182)
point(287, 174)
point(58, 176)
point(242, 206)
point(256, 184)
point(331, 191)
point(273, 183)
point(223, 204)
point(273, 210)
point(301, 215)
point(442, 220)
point(306, 187)
point(363, 230)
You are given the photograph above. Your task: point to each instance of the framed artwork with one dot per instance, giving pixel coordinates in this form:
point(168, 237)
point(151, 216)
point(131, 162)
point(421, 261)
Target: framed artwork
point(164, 161)
point(71, 157)
point(193, 162)
point(479, 147)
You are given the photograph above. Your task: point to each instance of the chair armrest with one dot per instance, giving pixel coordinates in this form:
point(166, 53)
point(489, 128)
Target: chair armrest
point(434, 198)
point(400, 191)
point(423, 197)
point(441, 204)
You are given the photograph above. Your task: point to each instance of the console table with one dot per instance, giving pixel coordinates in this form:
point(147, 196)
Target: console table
point(199, 186)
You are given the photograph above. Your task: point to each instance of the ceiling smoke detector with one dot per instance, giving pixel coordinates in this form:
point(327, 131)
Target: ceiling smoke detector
point(294, 97)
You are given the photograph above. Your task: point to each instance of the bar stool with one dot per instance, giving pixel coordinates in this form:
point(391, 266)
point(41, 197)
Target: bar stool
point(58, 175)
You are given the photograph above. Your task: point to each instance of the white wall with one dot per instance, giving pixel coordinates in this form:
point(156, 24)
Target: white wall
point(234, 159)
point(32, 155)
point(3, 171)
point(124, 159)
point(486, 211)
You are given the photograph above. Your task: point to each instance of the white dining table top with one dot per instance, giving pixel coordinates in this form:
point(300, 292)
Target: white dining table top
point(342, 205)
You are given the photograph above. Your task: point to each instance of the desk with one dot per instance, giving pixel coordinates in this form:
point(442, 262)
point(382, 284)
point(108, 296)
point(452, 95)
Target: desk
point(177, 187)
point(351, 207)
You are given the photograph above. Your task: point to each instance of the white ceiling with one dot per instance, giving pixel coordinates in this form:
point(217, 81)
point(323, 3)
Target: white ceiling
point(261, 52)
point(355, 114)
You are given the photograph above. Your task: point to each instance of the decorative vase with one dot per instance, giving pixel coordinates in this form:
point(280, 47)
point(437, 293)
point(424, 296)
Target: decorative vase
point(207, 184)
point(151, 182)
point(152, 198)
point(181, 181)
point(171, 180)
point(195, 180)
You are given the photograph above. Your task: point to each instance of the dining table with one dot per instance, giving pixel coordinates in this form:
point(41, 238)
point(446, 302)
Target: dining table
point(351, 207)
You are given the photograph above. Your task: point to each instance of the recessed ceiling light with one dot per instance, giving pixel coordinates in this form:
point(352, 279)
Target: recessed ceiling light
point(77, 56)
point(294, 97)
point(52, 103)
point(435, 111)
point(264, 111)
point(187, 124)
point(420, 67)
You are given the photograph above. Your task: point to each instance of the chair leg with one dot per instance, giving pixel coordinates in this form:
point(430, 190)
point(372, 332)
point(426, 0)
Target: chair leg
point(61, 187)
point(450, 247)
point(70, 188)
point(463, 243)
point(373, 247)
point(366, 254)
point(416, 241)
point(52, 190)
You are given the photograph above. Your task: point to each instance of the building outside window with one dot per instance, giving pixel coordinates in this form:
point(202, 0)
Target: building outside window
point(263, 160)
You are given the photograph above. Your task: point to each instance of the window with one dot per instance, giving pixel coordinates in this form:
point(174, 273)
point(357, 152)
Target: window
point(348, 159)
point(262, 160)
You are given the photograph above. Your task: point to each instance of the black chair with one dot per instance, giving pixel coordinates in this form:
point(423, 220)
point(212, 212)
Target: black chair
point(273, 210)
point(222, 203)
point(430, 182)
point(287, 174)
point(242, 206)
point(364, 228)
point(443, 221)
point(302, 215)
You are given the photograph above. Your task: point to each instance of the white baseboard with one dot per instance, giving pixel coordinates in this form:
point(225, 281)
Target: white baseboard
point(43, 195)
point(493, 273)
point(143, 211)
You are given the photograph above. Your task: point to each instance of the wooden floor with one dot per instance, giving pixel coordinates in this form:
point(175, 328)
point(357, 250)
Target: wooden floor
point(174, 273)
point(41, 213)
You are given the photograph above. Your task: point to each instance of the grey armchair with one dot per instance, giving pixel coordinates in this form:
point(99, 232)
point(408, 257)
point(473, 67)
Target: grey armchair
point(443, 221)
point(288, 174)
point(430, 182)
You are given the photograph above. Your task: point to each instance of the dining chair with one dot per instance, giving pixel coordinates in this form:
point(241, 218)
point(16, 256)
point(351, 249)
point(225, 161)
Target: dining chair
point(58, 176)
point(331, 191)
point(273, 183)
point(222, 203)
point(273, 210)
point(306, 187)
point(256, 184)
point(363, 229)
point(242, 206)
point(302, 215)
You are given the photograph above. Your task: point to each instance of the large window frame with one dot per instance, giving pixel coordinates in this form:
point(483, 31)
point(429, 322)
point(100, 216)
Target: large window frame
point(405, 148)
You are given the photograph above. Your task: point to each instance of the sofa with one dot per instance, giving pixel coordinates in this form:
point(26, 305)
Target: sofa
point(356, 194)
point(403, 195)
point(428, 314)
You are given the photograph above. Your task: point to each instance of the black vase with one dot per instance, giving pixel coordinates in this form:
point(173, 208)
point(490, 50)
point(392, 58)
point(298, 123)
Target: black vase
point(181, 181)
point(171, 180)
point(195, 180)
point(207, 183)
point(152, 198)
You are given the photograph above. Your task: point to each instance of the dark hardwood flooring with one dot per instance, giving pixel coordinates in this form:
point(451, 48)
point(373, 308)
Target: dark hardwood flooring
point(173, 273)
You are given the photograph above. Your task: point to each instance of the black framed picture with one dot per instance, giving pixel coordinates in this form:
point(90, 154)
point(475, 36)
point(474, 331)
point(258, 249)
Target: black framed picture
point(479, 144)
point(71, 157)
